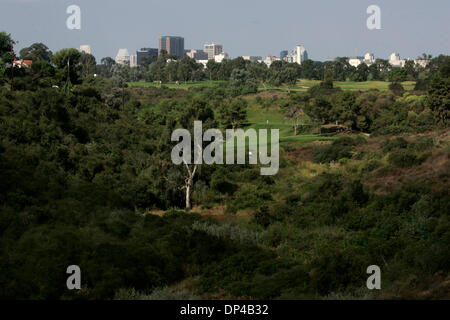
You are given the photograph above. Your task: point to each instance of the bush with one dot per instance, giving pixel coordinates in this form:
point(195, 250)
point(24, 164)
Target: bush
point(403, 158)
point(397, 89)
point(340, 148)
point(228, 231)
point(394, 144)
point(423, 144)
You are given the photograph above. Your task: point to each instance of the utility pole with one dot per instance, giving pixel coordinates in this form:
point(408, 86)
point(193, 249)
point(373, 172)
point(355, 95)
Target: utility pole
point(12, 75)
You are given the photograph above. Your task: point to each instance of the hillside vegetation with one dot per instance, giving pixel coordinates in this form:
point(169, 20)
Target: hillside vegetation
point(87, 180)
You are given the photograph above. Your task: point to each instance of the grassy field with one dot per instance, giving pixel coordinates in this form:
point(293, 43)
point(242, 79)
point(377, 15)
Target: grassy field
point(174, 85)
point(273, 118)
point(302, 85)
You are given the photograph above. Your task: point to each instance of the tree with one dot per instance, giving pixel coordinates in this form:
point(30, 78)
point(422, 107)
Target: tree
point(6, 45)
point(319, 110)
point(36, 52)
point(439, 94)
point(259, 72)
point(410, 69)
point(186, 68)
point(288, 75)
point(2, 71)
point(172, 71)
point(7, 55)
point(374, 72)
point(398, 75)
point(88, 64)
point(106, 67)
point(328, 80)
point(212, 68)
point(196, 109)
point(122, 72)
point(361, 73)
point(294, 110)
point(68, 63)
point(233, 114)
point(384, 67)
point(158, 69)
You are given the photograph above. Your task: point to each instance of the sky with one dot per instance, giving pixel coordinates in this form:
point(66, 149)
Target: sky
point(326, 28)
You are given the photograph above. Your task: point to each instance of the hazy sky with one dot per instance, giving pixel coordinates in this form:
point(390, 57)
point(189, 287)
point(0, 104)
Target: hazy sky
point(327, 28)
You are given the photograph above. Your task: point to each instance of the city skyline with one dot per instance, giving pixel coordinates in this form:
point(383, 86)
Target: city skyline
point(243, 29)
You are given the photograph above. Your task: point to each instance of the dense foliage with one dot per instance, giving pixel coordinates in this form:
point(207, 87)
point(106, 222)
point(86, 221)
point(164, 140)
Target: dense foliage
point(87, 180)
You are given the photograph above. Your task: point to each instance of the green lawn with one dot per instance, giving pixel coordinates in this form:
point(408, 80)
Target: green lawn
point(301, 85)
point(174, 85)
point(273, 118)
point(304, 85)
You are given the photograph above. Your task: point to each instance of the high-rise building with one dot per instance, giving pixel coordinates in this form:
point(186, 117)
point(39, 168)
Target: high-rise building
point(123, 57)
point(283, 54)
point(298, 55)
point(301, 54)
point(133, 61)
point(146, 55)
point(85, 49)
point(369, 58)
point(197, 54)
point(213, 49)
point(172, 45)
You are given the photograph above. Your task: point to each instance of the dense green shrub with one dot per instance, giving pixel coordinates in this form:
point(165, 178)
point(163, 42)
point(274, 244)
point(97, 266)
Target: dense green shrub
point(340, 148)
point(395, 143)
point(405, 158)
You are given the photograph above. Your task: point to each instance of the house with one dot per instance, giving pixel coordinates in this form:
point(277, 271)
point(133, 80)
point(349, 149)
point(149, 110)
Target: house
point(332, 128)
point(22, 63)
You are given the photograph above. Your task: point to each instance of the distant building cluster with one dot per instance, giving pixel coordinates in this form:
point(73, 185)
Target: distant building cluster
point(174, 46)
point(394, 60)
point(298, 55)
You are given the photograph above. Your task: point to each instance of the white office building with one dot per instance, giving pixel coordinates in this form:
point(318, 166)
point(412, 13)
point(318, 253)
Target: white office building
point(301, 54)
point(220, 57)
point(133, 60)
point(85, 49)
point(355, 61)
point(395, 60)
point(298, 55)
point(213, 49)
point(123, 57)
point(369, 59)
point(270, 59)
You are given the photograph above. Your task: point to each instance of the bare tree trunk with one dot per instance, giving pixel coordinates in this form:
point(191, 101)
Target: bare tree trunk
point(188, 196)
point(188, 183)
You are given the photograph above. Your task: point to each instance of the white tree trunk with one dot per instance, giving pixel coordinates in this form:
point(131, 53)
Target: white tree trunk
point(188, 183)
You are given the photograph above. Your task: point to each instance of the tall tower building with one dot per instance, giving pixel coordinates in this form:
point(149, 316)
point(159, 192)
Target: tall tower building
point(301, 54)
point(213, 50)
point(123, 56)
point(283, 54)
point(146, 56)
point(172, 45)
point(133, 61)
